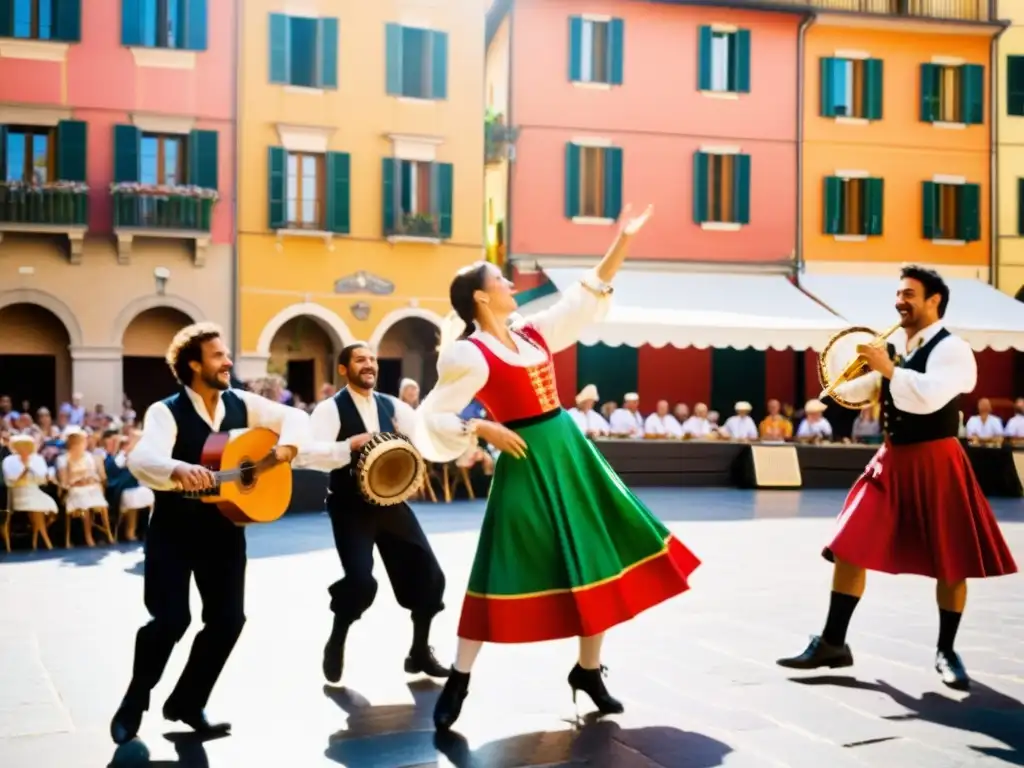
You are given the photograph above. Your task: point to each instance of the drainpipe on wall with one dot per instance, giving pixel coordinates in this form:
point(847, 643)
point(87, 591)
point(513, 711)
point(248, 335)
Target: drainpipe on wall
point(801, 76)
point(993, 192)
point(236, 331)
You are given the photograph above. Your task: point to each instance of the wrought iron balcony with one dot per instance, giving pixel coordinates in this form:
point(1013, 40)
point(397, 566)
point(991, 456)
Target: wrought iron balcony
point(497, 138)
point(415, 225)
point(952, 10)
point(184, 213)
point(56, 208)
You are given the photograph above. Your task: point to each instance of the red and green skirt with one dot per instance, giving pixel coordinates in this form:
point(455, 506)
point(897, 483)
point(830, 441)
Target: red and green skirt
point(566, 549)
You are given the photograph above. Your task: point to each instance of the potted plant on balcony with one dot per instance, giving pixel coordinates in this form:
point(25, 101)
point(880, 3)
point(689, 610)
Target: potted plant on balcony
point(50, 202)
point(163, 206)
point(419, 225)
point(497, 135)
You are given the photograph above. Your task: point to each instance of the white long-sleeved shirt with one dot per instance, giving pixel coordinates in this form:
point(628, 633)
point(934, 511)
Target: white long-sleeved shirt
point(325, 452)
point(13, 466)
point(951, 370)
point(626, 422)
point(741, 427)
point(662, 425)
point(1015, 427)
point(590, 421)
point(985, 430)
point(697, 426)
point(150, 461)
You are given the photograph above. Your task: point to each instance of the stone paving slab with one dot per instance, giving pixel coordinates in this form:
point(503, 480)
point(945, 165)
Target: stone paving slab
point(697, 674)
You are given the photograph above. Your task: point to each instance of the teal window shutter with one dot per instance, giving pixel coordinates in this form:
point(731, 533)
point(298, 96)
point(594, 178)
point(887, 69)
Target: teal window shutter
point(874, 88)
point(874, 206)
point(968, 223)
point(127, 140)
point(741, 189)
point(71, 150)
point(203, 159)
point(575, 48)
point(828, 99)
point(972, 94)
point(327, 37)
point(6, 26)
point(740, 51)
point(393, 57)
point(67, 20)
point(339, 185)
point(196, 22)
point(929, 198)
point(3, 147)
point(1014, 85)
point(279, 48)
point(277, 182)
point(572, 180)
point(704, 59)
point(833, 207)
point(612, 182)
point(616, 50)
point(445, 198)
point(439, 65)
point(131, 23)
point(389, 171)
point(930, 75)
point(700, 187)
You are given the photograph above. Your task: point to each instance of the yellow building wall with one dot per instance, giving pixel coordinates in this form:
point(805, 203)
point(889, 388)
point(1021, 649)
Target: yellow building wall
point(496, 85)
point(898, 148)
point(282, 277)
point(1009, 158)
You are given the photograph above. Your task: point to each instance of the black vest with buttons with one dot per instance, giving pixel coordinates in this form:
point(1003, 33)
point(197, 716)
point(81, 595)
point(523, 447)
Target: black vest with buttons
point(902, 428)
point(343, 481)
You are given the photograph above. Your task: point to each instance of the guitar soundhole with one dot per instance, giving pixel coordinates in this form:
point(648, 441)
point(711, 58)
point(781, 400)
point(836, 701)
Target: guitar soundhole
point(247, 474)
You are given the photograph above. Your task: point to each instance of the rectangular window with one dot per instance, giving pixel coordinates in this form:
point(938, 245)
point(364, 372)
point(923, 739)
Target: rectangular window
point(724, 60)
point(951, 211)
point(304, 51)
point(593, 182)
point(1015, 86)
point(162, 160)
point(33, 19)
point(29, 155)
point(416, 62)
point(305, 191)
point(174, 24)
point(418, 198)
point(721, 188)
point(853, 206)
point(596, 50)
point(953, 94)
point(851, 88)
point(309, 190)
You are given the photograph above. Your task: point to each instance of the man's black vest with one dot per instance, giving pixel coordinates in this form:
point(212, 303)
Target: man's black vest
point(902, 428)
point(343, 481)
point(192, 434)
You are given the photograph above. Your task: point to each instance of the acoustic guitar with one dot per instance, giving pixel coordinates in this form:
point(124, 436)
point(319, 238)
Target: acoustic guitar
point(252, 485)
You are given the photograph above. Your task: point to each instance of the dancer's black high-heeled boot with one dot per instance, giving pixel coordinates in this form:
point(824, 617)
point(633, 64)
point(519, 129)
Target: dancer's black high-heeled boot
point(449, 703)
point(591, 682)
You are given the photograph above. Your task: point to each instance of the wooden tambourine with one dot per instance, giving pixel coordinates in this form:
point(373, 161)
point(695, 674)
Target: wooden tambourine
point(389, 470)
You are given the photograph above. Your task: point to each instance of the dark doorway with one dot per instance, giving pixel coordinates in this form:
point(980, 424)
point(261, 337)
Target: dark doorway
point(146, 380)
point(30, 377)
point(302, 379)
point(389, 376)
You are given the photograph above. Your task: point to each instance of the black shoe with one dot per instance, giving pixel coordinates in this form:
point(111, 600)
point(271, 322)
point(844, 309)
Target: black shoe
point(125, 725)
point(424, 662)
point(951, 668)
point(334, 652)
point(195, 719)
point(591, 682)
point(820, 654)
point(449, 703)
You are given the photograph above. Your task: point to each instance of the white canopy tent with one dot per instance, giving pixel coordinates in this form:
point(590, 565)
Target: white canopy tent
point(702, 309)
point(983, 316)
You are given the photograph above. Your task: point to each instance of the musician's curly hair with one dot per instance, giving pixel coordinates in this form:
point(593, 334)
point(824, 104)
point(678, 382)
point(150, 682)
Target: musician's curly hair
point(187, 347)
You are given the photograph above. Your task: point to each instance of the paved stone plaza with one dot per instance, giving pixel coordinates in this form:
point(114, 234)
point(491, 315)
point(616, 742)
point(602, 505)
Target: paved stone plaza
point(697, 675)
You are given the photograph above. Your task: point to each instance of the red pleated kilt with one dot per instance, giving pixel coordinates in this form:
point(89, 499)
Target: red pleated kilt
point(918, 509)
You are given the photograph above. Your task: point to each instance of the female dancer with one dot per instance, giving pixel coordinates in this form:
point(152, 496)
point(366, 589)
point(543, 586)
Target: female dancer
point(565, 549)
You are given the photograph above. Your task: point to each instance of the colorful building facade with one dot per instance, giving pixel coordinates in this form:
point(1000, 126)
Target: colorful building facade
point(1010, 150)
point(361, 159)
point(116, 199)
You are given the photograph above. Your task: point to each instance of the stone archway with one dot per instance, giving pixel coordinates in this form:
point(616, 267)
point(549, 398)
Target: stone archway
point(35, 356)
point(304, 352)
point(407, 349)
point(145, 375)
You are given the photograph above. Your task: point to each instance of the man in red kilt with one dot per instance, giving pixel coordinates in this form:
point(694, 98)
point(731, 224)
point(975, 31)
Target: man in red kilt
point(917, 508)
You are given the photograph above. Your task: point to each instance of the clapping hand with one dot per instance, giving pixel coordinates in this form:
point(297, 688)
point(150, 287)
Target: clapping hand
point(630, 225)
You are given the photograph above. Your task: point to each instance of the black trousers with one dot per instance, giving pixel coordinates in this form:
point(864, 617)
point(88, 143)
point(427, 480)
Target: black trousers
point(182, 543)
point(416, 576)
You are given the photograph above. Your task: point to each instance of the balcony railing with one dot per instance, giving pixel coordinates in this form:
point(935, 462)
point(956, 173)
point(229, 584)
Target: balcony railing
point(955, 10)
point(497, 137)
point(163, 209)
point(425, 225)
point(49, 206)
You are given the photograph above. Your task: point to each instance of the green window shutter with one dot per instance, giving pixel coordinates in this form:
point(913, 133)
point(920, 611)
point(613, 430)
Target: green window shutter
point(131, 22)
point(1020, 202)
point(930, 74)
point(3, 146)
point(203, 159)
point(388, 172)
point(700, 187)
point(616, 50)
point(575, 48)
point(612, 182)
point(874, 88)
point(572, 180)
point(828, 75)
point(393, 58)
point(279, 48)
point(67, 20)
point(71, 150)
point(327, 38)
point(1015, 85)
point(704, 59)
point(277, 182)
point(439, 65)
point(741, 189)
point(445, 198)
point(833, 207)
point(6, 22)
point(339, 184)
point(968, 212)
point(741, 61)
point(196, 21)
point(929, 193)
point(127, 139)
point(874, 206)
point(972, 94)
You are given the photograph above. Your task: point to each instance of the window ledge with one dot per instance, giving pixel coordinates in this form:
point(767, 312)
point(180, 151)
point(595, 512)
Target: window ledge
point(416, 100)
point(597, 221)
point(949, 126)
point(327, 237)
point(75, 235)
point(721, 226)
point(164, 58)
point(727, 95)
point(126, 237)
point(34, 50)
point(850, 238)
point(845, 120)
point(307, 89)
point(591, 86)
point(413, 239)
point(939, 241)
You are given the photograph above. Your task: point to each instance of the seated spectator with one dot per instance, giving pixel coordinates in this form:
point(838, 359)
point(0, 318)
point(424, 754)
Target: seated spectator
point(81, 476)
point(775, 428)
point(741, 426)
point(1015, 426)
point(123, 491)
point(986, 427)
point(815, 427)
point(698, 426)
point(409, 393)
point(681, 413)
point(590, 422)
point(24, 472)
point(866, 427)
point(662, 424)
point(627, 421)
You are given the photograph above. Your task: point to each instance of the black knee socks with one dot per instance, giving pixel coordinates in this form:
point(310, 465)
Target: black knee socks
point(840, 611)
point(420, 633)
point(949, 623)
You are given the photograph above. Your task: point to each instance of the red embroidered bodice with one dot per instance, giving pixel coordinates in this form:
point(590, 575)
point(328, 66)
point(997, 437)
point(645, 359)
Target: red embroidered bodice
point(514, 392)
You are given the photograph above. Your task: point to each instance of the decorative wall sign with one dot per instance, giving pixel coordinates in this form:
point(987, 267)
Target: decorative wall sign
point(360, 310)
point(364, 282)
